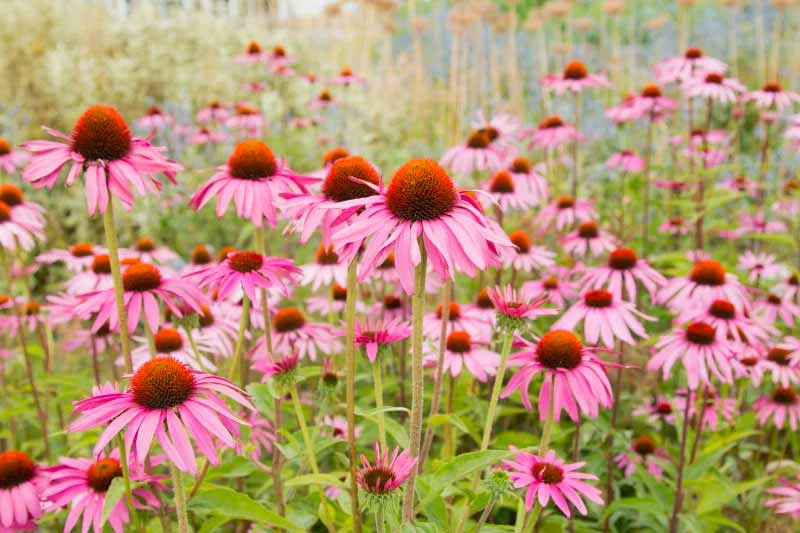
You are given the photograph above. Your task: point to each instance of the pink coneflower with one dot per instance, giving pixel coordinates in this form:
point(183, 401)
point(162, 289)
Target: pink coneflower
point(653, 104)
point(22, 484)
point(97, 277)
point(387, 473)
point(254, 179)
point(508, 193)
point(786, 498)
point(772, 307)
point(27, 214)
point(421, 203)
point(642, 451)
point(262, 435)
point(527, 257)
point(147, 251)
point(682, 68)
point(246, 271)
point(460, 318)
point(513, 304)
point(701, 351)
point(706, 282)
point(374, 334)
point(19, 233)
point(170, 342)
point(207, 136)
point(313, 211)
point(11, 159)
point(347, 77)
point(214, 112)
point(714, 407)
point(335, 303)
point(565, 211)
point(714, 86)
point(626, 161)
point(741, 184)
point(605, 317)
point(326, 270)
point(783, 365)
point(83, 484)
point(675, 226)
point(337, 427)
point(549, 477)
point(502, 128)
point(199, 259)
point(172, 403)
point(522, 170)
point(588, 239)
point(292, 332)
point(772, 96)
point(782, 405)
point(575, 78)
point(758, 224)
point(660, 410)
point(461, 350)
point(278, 56)
point(789, 288)
point(558, 288)
point(322, 100)
point(750, 363)
point(627, 111)
point(143, 286)
point(621, 274)
point(252, 54)
point(392, 306)
point(154, 119)
point(673, 186)
point(102, 149)
point(477, 154)
point(76, 258)
point(578, 375)
point(552, 132)
point(217, 326)
point(278, 368)
point(483, 308)
point(247, 119)
point(730, 322)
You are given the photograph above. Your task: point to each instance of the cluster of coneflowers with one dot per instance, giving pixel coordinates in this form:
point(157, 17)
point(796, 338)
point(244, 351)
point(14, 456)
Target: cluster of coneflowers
point(561, 301)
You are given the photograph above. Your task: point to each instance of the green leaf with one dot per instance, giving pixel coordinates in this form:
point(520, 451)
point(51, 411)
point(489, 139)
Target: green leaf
point(393, 427)
point(227, 502)
point(113, 496)
point(643, 505)
point(461, 466)
point(327, 479)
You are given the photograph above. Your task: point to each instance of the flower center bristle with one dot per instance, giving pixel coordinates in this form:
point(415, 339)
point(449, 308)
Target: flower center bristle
point(588, 230)
point(5, 147)
point(693, 53)
point(245, 110)
point(651, 90)
point(794, 279)
point(644, 445)
point(11, 194)
point(253, 48)
point(162, 383)
point(708, 272)
point(246, 261)
point(81, 249)
point(459, 342)
point(168, 340)
point(772, 87)
point(575, 70)
point(700, 333)
point(206, 317)
point(5, 212)
point(102, 473)
point(16, 468)
point(252, 160)
point(714, 78)
point(325, 96)
point(491, 133)
point(288, 319)
point(502, 183)
point(224, 252)
point(31, 308)
point(377, 479)
point(326, 255)
point(338, 185)
point(566, 202)
point(346, 72)
point(201, 255)
point(551, 122)
point(153, 110)
point(332, 155)
point(547, 473)
point(388, 262)
point(520, 165)
point(749, 361)
point(421, 190)
point(478, 139)
point(455, 312)
point(140, 277)
point(550, 283)
point(521, 240)
point(339, 292)
point(664, 408)
point(144, 245)
point(101, 134)
point(774, 299)
point(559, 349)
point(622, 259)
point(779, 356)
point(722, 309)
point(392, 302)
point(279, 51)
point(483, 301)
point(784, 396)
point(598, 298)
point(101, 264)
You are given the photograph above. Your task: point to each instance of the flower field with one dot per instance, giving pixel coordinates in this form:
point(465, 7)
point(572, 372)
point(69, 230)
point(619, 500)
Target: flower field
point(431, 265)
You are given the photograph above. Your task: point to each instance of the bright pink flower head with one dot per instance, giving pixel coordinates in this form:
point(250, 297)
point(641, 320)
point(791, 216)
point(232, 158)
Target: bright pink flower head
point(714, 86)
point(785, 498)
point(605, 317)
point(521, 169)
point(22, 486)
point(558, 287)
point(575, 78)
point(760, 266)
point(772, 96)
point(276, 367)
point(623, 272)
point(387, 473)
point(20, 222)
point(477, 154)
point(565, 211)
point(518, 304)
point(168, 401)
point(10, 159)
point(373, 334)
point(508, 193)
point(588, 239)
point(579, 376)
point(421, 206)
point(682, 68)
point(730, 322)
point(155, 119)
point(772, 307)
point(461, 351)
point(502, 128)
point(706, 282)
point(551, 132)
point(549, 477)
point(527, 257)
point(460, 317)
point(626, 161)
point(214, 112)
point(653, 104)
point(783, 405)
point(642, 450)
point(347, 77)
point(291, 331)
point(627, 111)
point(76, 258)
point(783, 364)
point(102, 149)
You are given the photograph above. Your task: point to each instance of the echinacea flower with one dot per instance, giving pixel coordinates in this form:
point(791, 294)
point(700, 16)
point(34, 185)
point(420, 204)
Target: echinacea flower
point(246, 120)
point(552, 132)
point(521, 169)
point(83, 484)
point(626, 161)
point(278, 56)
point(653, 104)
point(700, 349)
point(660, 410)
point(477, 154)
point(22, 485)
point(252, 54)
point(783, 365)
point(626, 111)
point(750, 363)
point(335, 303)
point(527, 257)
point(154, 119)
point(204, 135)
point(76, 258)
point(686, 66)
point(575, 78)
point(622, 273)
point(27, 214)
point(387, 473)
point(605, 317)
point(11, 159)
point(347, 77)
point(782, 405)
point(168, 401)
point(262, 434)
point(706, 282)
point(337, 426)
point(147, 251)
point(459, 318)
point(642, 451)
point(549, 477)
point(292, 332)
point(143, 286)
point(246, 271)
point(421, 206)
point(326, 270)
point(730, 322)
point(462, 351)
point(97, 277)
point(14, 234)
point(502, 128)
point(714, 86)
point(565, 211)
point(278, 368)
point(509, 194)
point(102, 149)
point(772, 96)
point(769, 309)
point(714, 408)
point(558, 288)
point(785, 498)
point(373, 334)
point(741, 184)
point(170, 342)
point(674, 226)
point(323, 100)
point(515, 305)
point(213, 112)
point(588, 239)
point(760, 266)
point(254, 179)
point(578, 375)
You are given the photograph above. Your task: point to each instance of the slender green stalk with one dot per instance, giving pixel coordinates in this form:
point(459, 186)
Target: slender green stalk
point(678, 503)
point(533, 517)
point(237, 351)
point(417, 384)
point(380, 519)
point(195, 351)
point(498, 386)
point(576, 154)
point(350, 371)
point(548, 423)
point(116, 276)
point(126, 478)
point(180, 499)
point(377, 379)
point(151, 340)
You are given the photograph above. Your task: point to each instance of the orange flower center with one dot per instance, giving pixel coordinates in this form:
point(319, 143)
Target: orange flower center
point(102, 473)
point(200, 255)
point(101, 134)
point(693, 53)
point(421, 190)
point(459, 342)
point(162, 383)
point(644, 445)
point(478, 139)
point(521, 240)
point(700, 333)
point(520, 165)
point(707, 272)
point(11, 194)
point(245, 110)
point(279, 51)
point(326, 255)
point(784, 396)
point(491, 133)
point(5, 212)
point(5, 147)
point(140, 277)
point(144, 245)
point(392, 302)
point(101, 264)
point(325, 96)
point(598, 298)
point(714, 78)
point(772, 87)
point(332, 155)
point(15, 469)
point(246, 261)
point(559, 349)
point(253, 48)
point(338, 185)
point(81, 249)
point(575, 70)
point(346, 72)
point(622, 259)
point(651, 90)
point(550, 283)
point(168, 340)
point(551, 122)
point(455, 312)
point(588, 230)
point(502, 183)
point(779, 356)
point(339, 292)
point(288, 319)
point(566, 202)
point(722, 309)
point(483, 301)
point(252, 160)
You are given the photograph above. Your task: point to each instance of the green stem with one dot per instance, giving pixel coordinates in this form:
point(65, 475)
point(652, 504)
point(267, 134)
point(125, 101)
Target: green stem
point(417, 383)
point(350, 371)
point(116, 276)
point(151, 340)
point(379, 519)
point(195, 351)
point(180, 500)
point(377, 378)
point(496, 388)
point(126, 477)
point(548, 424)
point(237, 352)
point(533, 517)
